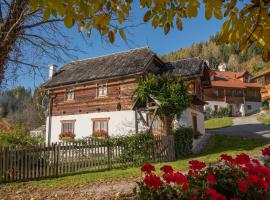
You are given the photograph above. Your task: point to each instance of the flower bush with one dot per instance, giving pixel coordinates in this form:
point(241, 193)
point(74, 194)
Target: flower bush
point(233, 178)
point(65, 135)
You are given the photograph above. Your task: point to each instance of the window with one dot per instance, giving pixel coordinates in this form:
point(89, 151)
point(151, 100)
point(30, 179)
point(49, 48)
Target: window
point(100, 127)
point(70, 94)
point(216, 92)
point(249, 107)
point(102, 90)
point(67, 131)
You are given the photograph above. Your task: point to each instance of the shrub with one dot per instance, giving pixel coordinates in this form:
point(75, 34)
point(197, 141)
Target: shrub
point(222, 112)
point(183, 138)
point(235, 178)
point(19, 136)
point(138, 147)
point(265, 105)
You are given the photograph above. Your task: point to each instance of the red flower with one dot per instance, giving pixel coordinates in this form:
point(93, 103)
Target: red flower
point(179, 178)
point(227, 158)
point(242, 159)
point(185, 186)
point(266, 151)
point(257, 162)
point(152, 181)
point(210, 178)
point(214, 195)
point(192, 198)
point(242, 185)
point(167, 169)
point(196, 165)
point(169, 177)
point(147, 168)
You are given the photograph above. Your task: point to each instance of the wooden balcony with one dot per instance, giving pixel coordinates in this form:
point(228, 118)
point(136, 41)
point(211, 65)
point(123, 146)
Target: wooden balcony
point(234, 100)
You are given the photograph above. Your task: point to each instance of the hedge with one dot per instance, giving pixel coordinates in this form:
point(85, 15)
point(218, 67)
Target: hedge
point(183, 138)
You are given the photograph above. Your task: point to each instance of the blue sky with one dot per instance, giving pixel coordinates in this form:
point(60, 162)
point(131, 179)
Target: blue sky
point(195, 30)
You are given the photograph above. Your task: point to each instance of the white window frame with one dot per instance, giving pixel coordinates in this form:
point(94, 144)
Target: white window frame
point(70, 94)
point(102, 90)
point(72, 122)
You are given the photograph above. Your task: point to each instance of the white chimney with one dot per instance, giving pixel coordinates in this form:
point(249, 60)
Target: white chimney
point(222, 67)
point(52, 70)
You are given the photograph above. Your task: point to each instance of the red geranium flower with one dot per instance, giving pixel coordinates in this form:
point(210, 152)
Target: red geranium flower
point(266, 151)
point(214, 195)
point(147, 168)
point(242, 159)
point(242, 185)
point(185, 186)
point(169, 177)
point(167, 169)
point(227, 158)
point(179, 178)
point(195, 167)
point(152, 181)
point(210, 178)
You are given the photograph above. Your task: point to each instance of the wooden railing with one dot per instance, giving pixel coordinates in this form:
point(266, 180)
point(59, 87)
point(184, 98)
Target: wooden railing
point(59, 159)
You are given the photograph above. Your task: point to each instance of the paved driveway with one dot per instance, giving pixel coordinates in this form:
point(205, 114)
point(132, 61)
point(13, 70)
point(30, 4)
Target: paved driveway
point(245, 126)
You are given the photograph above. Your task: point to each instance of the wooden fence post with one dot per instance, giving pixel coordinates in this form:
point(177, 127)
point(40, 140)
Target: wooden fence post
point(109, 155)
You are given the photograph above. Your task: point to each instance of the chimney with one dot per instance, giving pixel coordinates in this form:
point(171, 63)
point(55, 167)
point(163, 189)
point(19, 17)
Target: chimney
point(222, 67)
point(52, 70)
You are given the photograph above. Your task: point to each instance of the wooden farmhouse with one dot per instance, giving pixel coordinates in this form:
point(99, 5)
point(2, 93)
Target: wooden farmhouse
point(97, 95)
point(264, 79)
point(234, 89)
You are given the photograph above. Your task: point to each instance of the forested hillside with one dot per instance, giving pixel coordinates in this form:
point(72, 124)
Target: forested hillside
point(236, 61)
point(20, 106)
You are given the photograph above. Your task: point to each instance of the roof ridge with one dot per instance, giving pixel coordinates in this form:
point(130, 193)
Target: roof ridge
point(119, 52)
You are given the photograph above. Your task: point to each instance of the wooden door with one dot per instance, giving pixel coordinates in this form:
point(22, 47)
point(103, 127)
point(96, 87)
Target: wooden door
point(194, 123)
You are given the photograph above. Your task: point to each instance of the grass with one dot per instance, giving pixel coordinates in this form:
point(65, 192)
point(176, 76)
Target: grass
point(216, 146)
point(263, 119)
point(218, 122)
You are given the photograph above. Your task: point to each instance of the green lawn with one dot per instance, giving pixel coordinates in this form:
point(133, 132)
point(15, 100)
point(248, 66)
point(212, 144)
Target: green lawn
point(263, 119)
point(218, 122)
point(217, 145)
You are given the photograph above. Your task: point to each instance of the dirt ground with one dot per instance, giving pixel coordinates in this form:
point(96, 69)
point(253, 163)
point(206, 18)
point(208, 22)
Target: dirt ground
point(95, 191)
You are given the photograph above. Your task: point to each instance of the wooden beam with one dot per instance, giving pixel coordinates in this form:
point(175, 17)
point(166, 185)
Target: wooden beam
point(142, 118)
point(152, 120)
point(136, 121)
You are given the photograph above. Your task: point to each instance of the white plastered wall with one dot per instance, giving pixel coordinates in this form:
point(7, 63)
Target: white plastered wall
point(255, 107)
point(186, 119)
point(211, 104)
point(120, 123)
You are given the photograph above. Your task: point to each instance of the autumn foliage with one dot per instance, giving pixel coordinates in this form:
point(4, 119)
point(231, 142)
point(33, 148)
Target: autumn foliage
point(233, 178)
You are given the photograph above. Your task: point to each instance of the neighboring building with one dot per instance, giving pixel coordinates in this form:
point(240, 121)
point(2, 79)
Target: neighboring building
point(96, 95)
point(39, 132)
point(264, 79)
point(235, 89)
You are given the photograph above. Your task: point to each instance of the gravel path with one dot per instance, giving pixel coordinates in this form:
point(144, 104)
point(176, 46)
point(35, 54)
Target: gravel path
point(95, 191)
point(245, 126)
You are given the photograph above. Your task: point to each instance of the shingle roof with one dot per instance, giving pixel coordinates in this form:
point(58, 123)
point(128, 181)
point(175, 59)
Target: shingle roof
point(124, 63)
point(118, 64)
point(187, 67)
point(231, 80)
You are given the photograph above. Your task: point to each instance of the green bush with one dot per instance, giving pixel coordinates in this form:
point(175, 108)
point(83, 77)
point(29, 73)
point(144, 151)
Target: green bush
point(222, 112)
point(183, 138)
point(19, 136)
point(138, 147)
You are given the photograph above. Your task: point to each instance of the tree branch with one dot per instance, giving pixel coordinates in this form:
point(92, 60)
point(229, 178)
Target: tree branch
point(40, 23)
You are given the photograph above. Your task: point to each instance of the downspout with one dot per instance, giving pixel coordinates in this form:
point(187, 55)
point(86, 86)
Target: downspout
point(50, 120)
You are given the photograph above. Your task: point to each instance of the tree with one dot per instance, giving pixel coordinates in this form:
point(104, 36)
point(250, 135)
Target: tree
point(170, 91)
point(27, 39)
point(246, 22)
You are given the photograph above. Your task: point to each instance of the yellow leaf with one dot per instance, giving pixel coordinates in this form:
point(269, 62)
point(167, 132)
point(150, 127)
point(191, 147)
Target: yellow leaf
point(111, 36)
point(122, 34)
point(208, 11)
point(147, 16)
point(46, 14)
point(218, 13)
point(155, 21)
point(179, 23)
point(68, 20)
point(167, 28)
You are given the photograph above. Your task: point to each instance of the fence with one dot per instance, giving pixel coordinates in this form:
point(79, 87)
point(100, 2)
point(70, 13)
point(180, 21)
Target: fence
point(92, 155)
